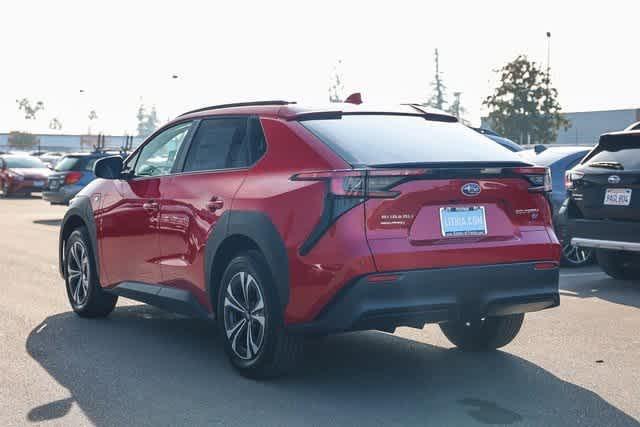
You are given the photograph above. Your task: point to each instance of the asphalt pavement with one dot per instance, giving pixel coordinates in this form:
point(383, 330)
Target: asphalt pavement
point(578, 364)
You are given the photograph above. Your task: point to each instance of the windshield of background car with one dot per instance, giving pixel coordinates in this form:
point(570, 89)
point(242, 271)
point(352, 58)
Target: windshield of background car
point(379, 139)
point(24, 162)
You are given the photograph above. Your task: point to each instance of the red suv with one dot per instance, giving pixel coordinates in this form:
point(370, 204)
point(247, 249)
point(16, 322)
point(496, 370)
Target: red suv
point(281, 222)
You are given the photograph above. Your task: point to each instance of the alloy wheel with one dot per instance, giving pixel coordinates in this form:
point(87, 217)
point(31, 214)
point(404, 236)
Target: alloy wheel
point(244, 315)
point(78, 273)
point(576, 255)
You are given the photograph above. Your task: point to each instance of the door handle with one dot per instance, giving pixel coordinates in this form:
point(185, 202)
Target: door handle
point(214, 204)
point(150, 206)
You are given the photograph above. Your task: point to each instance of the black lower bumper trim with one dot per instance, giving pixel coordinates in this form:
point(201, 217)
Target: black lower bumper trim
point(418, 297)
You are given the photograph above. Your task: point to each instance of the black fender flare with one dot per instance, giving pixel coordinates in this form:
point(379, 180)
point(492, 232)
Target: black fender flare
point(257, 227)
point(79, 208)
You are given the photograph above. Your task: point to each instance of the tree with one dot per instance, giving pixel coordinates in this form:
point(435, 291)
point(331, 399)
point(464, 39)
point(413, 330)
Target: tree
point(147, 121)
point(92, 116)
point(457, 109)
point(525, 107)
point(55, 124)
point(336, 86)
point(30, 111)
point(438, 94)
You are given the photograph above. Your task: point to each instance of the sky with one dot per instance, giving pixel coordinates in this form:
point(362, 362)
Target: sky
point(124, 53)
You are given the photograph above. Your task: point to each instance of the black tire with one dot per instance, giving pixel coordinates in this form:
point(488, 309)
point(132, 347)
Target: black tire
point(5, 190)
point(482, 335)
point(86, 296)
point(620, 265)
point(277, 352)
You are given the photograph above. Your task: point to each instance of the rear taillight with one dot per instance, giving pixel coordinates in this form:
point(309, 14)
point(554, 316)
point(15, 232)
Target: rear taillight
point(361, 184)
point(538, 177)
point(72, 178)
point(347, 189)
point(570, 177)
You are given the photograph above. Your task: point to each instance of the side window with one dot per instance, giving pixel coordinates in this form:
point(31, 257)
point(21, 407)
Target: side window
point(219, 144)
point(257, 143)
point(158, 156)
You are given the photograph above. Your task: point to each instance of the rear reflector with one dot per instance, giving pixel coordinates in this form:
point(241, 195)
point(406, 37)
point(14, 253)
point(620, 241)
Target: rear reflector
point(546, 266)
point(380, 278)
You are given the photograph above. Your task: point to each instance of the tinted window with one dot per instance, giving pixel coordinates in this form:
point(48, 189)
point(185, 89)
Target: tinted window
point(623, 155)
point(386, 139)
point(219, 144)
point(24, 162)
point(552, 155)
point(75, 163)
point(158, 156)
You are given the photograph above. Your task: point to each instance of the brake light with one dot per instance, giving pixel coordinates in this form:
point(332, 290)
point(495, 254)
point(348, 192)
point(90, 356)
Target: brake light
point(538, 177)
point(570, 177)
point(361, 183)
point(72, 178)
point(349, 188)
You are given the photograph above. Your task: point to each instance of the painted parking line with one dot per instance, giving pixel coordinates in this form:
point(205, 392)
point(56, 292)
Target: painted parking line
point(593, 273)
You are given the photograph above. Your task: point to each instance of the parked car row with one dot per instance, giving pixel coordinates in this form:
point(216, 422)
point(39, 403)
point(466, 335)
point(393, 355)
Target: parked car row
point(23, 174)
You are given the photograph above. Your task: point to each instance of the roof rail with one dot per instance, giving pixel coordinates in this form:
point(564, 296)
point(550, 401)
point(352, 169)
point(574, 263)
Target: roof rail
point(238, 104)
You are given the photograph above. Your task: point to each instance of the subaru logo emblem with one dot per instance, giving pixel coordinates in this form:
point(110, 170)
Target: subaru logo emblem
point(471, 189)
point(614, 179)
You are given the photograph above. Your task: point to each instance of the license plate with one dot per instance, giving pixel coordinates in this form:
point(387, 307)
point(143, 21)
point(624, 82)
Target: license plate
point(463, 221)
point(617, 197)
point(38, 183)
point(53, 185)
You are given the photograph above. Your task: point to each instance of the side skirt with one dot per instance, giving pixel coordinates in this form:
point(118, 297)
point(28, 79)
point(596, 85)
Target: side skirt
point(170, 299)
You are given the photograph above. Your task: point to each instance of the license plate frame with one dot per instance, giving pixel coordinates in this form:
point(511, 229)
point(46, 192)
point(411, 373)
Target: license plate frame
point(617, 197)
point(463, 221)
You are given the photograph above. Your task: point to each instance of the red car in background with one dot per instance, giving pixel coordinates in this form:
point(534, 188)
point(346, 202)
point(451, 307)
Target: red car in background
point(22, 174)
point(282, 221)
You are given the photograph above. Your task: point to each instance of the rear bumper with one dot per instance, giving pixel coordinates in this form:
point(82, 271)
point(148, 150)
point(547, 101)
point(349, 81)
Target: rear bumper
point(605, 234)
point(62, 195)
point(414, 298)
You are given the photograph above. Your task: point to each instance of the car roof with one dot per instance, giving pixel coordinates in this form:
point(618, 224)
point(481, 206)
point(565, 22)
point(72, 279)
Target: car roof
point(291, 111)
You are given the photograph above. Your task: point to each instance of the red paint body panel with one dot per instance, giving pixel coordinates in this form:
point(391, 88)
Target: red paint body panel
point(168, 246)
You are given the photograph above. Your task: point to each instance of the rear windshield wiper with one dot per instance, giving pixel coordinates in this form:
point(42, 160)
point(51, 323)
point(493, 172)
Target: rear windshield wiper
point(607, 165)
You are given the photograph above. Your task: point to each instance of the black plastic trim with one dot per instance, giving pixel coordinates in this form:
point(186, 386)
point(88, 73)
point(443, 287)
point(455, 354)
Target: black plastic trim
point(80, 207)
point(238, 104)
point(436, 295)
point(167, 298)
point(258, 228)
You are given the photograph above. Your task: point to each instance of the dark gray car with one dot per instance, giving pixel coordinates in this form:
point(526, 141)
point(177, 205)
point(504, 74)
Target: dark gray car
point(560, 159)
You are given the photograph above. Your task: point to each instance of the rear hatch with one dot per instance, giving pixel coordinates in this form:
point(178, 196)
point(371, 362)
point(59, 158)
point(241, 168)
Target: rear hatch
point(438, 194)
point(607, 183)
point(70, 170)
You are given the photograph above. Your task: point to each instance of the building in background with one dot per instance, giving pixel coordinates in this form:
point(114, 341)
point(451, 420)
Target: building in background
point(68, 143)
point(587, 126)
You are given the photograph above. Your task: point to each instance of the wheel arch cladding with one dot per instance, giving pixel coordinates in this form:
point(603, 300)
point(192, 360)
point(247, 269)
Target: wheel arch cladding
point(79, 214)
point(238, 231)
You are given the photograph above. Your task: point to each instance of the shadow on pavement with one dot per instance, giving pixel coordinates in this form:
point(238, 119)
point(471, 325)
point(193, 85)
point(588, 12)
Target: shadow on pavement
point(142, 366)
point(51, 222)
point(605, 288)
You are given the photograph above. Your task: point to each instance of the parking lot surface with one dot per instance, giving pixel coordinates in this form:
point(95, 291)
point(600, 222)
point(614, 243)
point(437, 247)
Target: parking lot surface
point(578, 364)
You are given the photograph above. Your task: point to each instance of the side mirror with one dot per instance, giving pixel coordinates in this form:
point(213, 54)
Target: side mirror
point(108, 167)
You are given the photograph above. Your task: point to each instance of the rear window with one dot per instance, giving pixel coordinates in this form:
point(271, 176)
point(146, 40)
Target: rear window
point(75, 163)
point(388, 139)
point(24, 162)
point(623, 155)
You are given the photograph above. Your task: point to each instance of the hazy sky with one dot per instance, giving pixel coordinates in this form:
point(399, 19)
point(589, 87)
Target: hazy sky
point(122, 53)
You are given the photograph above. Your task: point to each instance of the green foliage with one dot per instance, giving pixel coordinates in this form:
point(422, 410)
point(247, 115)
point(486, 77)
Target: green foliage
point(147, 121)
point(22, 140)
point(30, 110)
point(336, 86)
point(525, 107)
point(438, 95)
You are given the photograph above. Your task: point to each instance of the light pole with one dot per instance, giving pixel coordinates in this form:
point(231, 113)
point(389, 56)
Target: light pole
point(548, 54)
